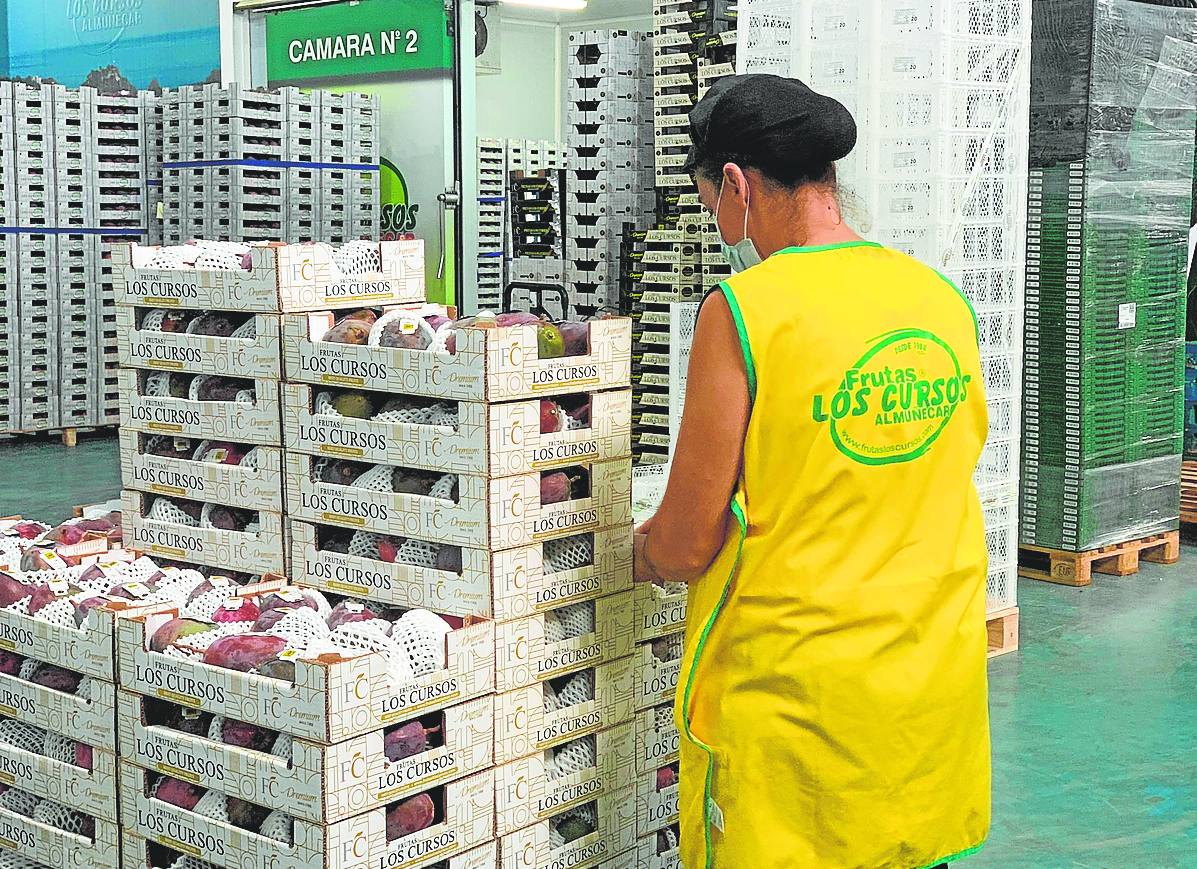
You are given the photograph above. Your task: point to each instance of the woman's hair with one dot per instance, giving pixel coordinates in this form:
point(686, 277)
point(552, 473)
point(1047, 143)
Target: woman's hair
point(785, 174)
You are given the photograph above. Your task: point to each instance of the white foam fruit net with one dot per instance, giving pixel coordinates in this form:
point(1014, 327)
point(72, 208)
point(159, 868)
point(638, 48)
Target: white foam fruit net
point(584, 816)
point(278, 826)
point(165, 510)
point(167, 258)
point(445, 488)
point(365, 637)
point(663, 717)
point(399, 411)
point(569, 622)
point(157, 384)
point(19, 802)
point(305, 631)
point(667, 840)
point(189, 862)
point(247, 330)
point(283, 746)
point(421, 635)
point(206, 519)
point(16, 861)
point(569, 553)
point(209, 452)
point(358, 257)
point(59, 747)
point(214, 806)
point(24, 736)
point(364, 544)
point(572, 424)
point(418, 553)
point(56, 815)
point(578, 688)
point(60, 612)
point(573, 757)
point(323, 405)
point(215, 259)
point(377, 479)
point(153, 319)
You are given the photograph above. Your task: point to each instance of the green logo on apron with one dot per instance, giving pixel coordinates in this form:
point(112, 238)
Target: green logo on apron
point(896, 400)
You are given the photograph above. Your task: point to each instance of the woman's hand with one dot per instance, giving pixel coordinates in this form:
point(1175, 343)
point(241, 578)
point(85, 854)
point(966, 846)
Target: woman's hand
point(642, 570)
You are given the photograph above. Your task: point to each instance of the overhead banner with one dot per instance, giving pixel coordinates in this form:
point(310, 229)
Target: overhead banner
point(113, 45)
point(372, 38)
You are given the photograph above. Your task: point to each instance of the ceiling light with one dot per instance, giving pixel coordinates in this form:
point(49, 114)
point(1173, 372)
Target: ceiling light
point(557, 5)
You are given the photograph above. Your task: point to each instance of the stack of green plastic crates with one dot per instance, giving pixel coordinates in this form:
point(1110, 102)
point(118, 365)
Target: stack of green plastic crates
point(1114, 93)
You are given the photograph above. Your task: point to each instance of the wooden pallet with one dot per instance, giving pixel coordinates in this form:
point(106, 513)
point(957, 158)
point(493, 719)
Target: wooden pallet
point(1188, 493)
point(1077, 568)
point(69, 434)
point(1003, 632)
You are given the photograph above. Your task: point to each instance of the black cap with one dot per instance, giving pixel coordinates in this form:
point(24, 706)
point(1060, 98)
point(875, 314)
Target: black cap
point(770, 121)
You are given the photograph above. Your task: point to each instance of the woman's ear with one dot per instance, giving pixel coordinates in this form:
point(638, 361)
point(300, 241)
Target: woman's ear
point(735, 182)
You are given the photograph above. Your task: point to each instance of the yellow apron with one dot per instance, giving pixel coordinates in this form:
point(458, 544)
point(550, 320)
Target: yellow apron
point(832, 698)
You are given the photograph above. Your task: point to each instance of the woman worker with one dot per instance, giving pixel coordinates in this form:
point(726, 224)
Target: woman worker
point(832, 698)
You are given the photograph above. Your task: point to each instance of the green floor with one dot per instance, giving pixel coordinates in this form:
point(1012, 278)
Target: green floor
point(1094, 721)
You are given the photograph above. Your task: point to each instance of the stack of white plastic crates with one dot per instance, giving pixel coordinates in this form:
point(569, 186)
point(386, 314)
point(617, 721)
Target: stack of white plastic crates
point(349, 137)
point(10, 312)
point(152, 130)
point(38, 295)
point(259, 165)
point(492, 221)
point(940, 90)
point(118, 136)
point(610, 176)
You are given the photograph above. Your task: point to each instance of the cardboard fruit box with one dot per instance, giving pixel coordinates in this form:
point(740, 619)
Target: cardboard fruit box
point(256, 483)
point(322, 784)
point(532, 720)
point(59, 849)
point(657, 738)
point(494, 440)
point(657, 670)
point(531, 649)
point(259, 356)
point(660, 850)
point(139, 853)
point(332, 699)
point(91, 791)
point(656, 806)
point(615, 835)
point(543, 785)
point(498, 364)
point(290, 277)
point(487, 513)
point(240, 422)
point(505, 585)
point(660, 611)
point(263, 551)
point(359, 842)
point(86, 715)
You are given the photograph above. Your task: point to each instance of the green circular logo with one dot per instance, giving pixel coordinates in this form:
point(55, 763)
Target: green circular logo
point(896, 400)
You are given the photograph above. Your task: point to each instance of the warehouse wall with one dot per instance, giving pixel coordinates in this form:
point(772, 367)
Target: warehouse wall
point(520, 102)
point(527, 99)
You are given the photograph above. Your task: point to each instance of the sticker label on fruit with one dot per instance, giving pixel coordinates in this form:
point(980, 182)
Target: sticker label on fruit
point(896, 400)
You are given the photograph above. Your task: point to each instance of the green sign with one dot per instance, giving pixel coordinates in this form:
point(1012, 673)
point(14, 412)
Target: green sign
point(357, 40)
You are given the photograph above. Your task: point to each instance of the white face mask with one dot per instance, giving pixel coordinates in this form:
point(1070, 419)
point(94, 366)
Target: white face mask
point(742, 255)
